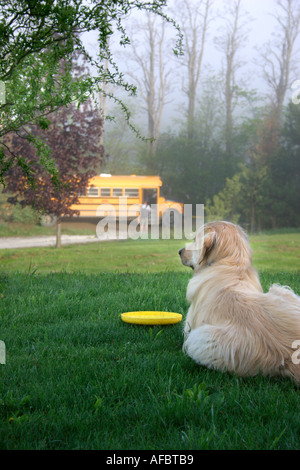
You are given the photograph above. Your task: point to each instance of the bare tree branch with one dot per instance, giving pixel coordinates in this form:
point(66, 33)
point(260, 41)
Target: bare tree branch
point(152, 74)
point(229, 43)
point(194, 23)
point(278, 58)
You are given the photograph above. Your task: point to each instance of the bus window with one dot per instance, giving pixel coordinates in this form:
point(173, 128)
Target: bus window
point(93, 192)
point(105, 192)
point(117, 192)
point(131, 192)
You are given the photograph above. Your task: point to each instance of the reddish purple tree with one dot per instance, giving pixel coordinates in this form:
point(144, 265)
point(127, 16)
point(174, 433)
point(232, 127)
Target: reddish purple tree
point(73, 136)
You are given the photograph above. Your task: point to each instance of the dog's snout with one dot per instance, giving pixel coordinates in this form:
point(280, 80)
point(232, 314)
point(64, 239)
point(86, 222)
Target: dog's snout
point(179, 252)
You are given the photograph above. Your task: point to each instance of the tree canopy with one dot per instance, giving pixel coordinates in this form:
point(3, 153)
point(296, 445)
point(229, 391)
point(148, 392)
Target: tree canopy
point(73, 139)
point(34, 38)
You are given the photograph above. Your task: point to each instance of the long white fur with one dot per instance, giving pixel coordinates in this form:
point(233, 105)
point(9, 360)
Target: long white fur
point(231, 324)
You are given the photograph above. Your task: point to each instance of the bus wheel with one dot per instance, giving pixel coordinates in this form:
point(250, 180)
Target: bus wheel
point(48, 220)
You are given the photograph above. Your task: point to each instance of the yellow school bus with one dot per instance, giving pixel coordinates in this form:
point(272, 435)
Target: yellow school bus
point(122, 195)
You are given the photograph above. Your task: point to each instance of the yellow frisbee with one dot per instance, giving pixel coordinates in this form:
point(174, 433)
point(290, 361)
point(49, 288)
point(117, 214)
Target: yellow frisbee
point(151, 318)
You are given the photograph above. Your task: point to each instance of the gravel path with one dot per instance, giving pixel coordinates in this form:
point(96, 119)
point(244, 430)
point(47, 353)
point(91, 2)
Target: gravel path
point(27, 242)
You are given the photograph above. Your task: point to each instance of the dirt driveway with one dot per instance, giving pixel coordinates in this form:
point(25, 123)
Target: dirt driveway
point(27, 242)
point(50, 240)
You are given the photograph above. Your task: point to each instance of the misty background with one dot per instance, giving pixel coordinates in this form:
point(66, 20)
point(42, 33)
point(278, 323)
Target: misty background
point(219, 114)
point(215, 113)
point(258, 26)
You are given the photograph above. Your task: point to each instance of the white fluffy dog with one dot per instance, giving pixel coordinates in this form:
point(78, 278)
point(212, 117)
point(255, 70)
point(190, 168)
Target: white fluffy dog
point(231, 324)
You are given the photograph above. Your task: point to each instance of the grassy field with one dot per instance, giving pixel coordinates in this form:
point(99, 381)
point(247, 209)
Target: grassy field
point(279, 252)
point(77, 377)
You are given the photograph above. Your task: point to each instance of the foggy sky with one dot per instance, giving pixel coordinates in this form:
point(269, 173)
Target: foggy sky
point(261, 29)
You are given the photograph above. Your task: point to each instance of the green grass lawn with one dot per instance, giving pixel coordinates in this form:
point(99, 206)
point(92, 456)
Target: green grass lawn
point(77, 377)
point(279, 252)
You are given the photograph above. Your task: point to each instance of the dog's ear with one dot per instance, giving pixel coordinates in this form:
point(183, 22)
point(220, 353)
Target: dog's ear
point(209, 242)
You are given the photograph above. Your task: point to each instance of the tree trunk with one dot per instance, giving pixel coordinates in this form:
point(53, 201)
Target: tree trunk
point(58, 234)
point(232, 46)
point(191, 112)
point(154, 82)
point(278, 59)
point(195, 19)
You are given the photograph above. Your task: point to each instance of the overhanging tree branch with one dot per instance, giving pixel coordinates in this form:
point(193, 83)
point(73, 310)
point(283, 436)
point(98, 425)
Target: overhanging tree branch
point(36, 36)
